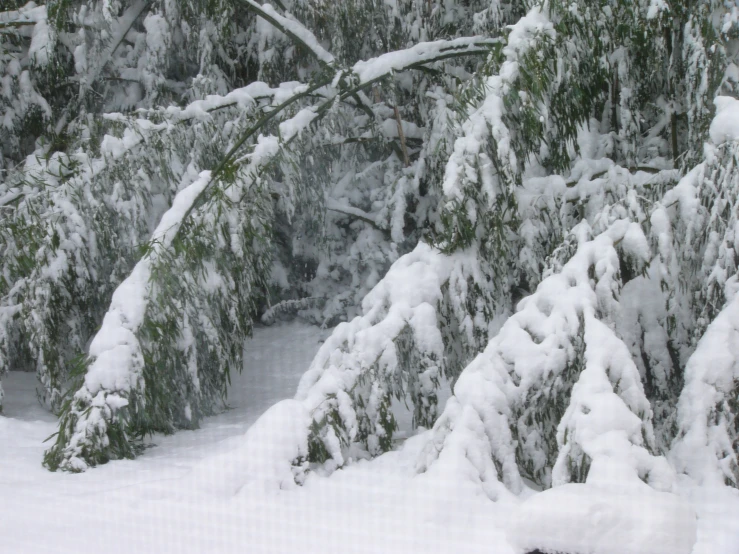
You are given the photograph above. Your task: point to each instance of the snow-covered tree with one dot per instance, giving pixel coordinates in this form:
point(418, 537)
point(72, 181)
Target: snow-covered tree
point(564, 173)
point(521, 216)
point(126, 151)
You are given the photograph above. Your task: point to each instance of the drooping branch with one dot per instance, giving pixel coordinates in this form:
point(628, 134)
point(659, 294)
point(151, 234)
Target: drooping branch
point(10, 24)
point(126, 21)
point(302, 36)
point(96, 420)
point(334, 206)
point(362, 76)
point(293, 29)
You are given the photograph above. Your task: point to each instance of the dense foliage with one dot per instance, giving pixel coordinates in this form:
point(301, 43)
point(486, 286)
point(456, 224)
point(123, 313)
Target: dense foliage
point(529, 208)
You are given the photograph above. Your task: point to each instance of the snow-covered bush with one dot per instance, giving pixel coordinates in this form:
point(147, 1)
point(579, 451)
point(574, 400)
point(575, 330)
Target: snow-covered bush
point(527, 206)
point(415, 332)
point(556, 387)
point(198, 277)
point(562, 177)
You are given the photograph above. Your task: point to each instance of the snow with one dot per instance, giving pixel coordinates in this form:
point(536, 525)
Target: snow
point(294, 27)
point(242, 97)
point(115, 347)
point(656, 7)
point(241, 475)
point(115, 371)
point(338, 206)
point(704, 449)
point(363, 357)
point(39, 48)
point(29, 12)
point(725, 125)
point(592, 519)
point(294, 125)
point(487, 120)
point(194, 492)
point(90, 71)
point(225, 488)
point(369, 70)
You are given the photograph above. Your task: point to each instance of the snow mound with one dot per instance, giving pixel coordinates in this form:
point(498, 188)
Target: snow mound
point(266, 454)
point(593, 519)
point(725, 126)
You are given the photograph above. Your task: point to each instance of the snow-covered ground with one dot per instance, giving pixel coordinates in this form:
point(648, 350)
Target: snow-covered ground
point(188, 493)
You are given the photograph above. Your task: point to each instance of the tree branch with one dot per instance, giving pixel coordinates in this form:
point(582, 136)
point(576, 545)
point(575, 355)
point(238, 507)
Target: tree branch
point(293, 29)
point(335, 206)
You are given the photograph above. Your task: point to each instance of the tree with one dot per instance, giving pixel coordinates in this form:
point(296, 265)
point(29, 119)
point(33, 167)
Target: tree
point(566, 178)
point(182, 351)
point(529, 207)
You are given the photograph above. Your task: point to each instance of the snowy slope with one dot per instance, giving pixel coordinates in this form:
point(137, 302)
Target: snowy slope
point(190, 492)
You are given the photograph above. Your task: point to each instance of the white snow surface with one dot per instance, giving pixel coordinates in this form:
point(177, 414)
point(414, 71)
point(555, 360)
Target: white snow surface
point(585, 518)
point(225, 488)
point(725, 125)
point(212, 490)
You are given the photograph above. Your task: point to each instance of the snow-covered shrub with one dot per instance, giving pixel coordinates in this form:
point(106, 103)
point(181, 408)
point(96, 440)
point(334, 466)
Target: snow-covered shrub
point(483, 183)
point(556, 387)
point(562, 163)
point(186, 333)
point(415, 332)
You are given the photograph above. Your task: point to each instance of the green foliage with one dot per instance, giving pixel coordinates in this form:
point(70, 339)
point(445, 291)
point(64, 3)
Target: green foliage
point(97, 142)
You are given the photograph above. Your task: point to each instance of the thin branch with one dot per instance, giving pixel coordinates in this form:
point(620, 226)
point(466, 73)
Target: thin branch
point(401, 134)
point(323, 108)
point(645, 169)
point(335, 206)
point(293, 29)
point(5, 24)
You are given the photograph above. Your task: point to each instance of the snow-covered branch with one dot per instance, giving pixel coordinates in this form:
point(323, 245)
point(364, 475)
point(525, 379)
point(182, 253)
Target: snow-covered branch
point(706, 447)
point(97, 425)
point(293, 29)
point(335, 206)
